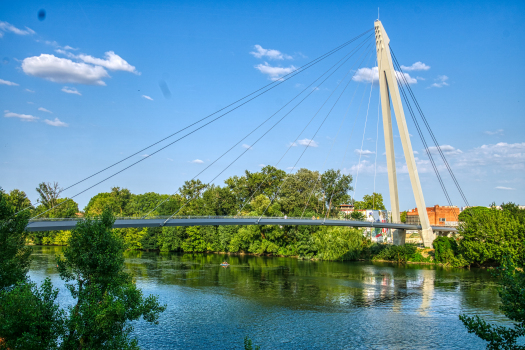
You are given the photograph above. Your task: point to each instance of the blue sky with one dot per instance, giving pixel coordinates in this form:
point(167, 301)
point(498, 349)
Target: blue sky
point(83, 88)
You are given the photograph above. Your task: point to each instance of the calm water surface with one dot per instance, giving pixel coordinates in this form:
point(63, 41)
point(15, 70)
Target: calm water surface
point(285, 303)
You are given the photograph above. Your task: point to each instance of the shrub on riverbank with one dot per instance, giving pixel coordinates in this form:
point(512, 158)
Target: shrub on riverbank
point(485, 237)
point(402, 253)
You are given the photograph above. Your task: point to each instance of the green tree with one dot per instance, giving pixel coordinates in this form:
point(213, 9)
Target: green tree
point(403, 216)
point(49, 194)
point(107, 298)
point(14, 254)
point(373, 201)
point(299, 190)
point(488, 235)
point(335, 187)
point(18, 200)
point(29, 317)
point(357, 215)
point(512, 294)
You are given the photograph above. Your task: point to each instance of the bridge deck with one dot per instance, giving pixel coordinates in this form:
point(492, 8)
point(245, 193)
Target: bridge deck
point(63, 224)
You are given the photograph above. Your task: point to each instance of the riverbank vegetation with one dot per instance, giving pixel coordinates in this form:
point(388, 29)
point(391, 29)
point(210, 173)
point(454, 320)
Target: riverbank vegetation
point(485, 235)
point(106, 298)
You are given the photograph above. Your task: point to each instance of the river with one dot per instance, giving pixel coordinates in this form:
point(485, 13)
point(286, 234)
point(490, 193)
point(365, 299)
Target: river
point(286, 303)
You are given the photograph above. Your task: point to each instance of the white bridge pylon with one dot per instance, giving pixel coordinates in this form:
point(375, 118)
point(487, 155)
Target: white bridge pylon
point(390, 90)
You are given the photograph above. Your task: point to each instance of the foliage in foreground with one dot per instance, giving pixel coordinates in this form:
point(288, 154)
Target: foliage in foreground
point(248, 344)
point(14, 255)
point(485, 237)
point(512, 294)
point(107, 298)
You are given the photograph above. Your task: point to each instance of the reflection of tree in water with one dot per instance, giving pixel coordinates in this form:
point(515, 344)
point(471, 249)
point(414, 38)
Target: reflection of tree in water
point(304, 284)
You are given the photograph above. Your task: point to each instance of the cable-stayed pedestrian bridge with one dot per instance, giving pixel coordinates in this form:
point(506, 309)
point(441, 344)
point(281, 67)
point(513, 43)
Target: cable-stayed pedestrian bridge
point(394, 94)
point(69, 224)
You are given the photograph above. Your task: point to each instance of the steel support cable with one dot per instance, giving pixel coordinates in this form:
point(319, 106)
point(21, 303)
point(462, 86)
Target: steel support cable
point(351, 53)
point(347, 146)
point(331, 147)
point(423, 140)
point(432, 135)
point(277, 83)
point(427, 151)
point(315, 134)
point(362, 140)
point(294, 142)
point(272, 128)
point(377, 138)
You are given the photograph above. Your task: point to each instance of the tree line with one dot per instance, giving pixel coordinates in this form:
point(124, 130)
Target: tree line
point(269, 192)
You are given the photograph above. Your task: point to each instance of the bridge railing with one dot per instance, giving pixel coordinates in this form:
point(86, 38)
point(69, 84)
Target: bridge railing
point(199, 217)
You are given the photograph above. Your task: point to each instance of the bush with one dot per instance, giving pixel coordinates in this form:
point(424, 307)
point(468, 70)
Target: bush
point(399, 253)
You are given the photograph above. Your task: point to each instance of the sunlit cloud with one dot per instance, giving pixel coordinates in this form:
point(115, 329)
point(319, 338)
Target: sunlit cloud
point(269, 53)
point(63, 70)
point(6, 82)
point(57, 122)
point(42, 109)
point(22, 117)
point(72, 90)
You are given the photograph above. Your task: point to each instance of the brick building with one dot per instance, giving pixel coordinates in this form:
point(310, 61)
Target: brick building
point(437, 215)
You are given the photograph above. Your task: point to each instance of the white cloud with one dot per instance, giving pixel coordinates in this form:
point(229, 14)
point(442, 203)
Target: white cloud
point(364, 152)
point(504, 188)
point(147, 97)
point(497, 132)
point(197, 161)
point(371, 75)
point(415, 67)
point(72, 90)
point(67, 47)
point(271, 54)
point(63, 70)
point(305, 142)
point(145, 155)
point(501, 157)
point(274, 73)
point(246, 146)
point(171, 160)
point(23, 117)
point(29, 90)
point(365, 167)
point(5, 82)
point(441, 81)
point(6, 27)
point(262, 165)
point(111, 61)
point(55, 122)
point(416, 152)
point(446, 149)
point(44, 110)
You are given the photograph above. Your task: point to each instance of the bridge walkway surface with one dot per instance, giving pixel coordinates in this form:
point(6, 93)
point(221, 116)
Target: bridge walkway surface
point(69, 224)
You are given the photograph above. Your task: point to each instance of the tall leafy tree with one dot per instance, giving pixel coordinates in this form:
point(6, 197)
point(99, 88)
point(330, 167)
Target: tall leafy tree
point(29, 316)
point(371, 201)
point(107, 298)
point(49, 194)
point(14, 254)
point(18, 200)
point(335, 187)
